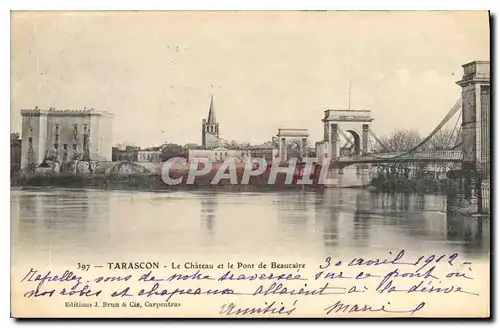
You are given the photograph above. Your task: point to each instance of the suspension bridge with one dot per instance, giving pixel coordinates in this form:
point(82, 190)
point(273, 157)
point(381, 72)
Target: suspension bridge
point(428, 150)
point(352, 152)
point(438, 156)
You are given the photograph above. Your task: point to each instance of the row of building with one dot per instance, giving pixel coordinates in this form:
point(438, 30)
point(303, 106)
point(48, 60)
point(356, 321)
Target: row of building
point(68, 135)
point(136, 154)
point(213, 148)
point(218, 154)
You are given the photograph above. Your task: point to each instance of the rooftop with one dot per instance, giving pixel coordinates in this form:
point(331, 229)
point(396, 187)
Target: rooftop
point(293, 132)
point(475, 71)
point(151, 149)
point(54, 111)
point(356, 115)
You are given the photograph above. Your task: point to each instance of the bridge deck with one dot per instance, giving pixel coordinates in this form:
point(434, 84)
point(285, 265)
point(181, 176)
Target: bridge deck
point(424, 156)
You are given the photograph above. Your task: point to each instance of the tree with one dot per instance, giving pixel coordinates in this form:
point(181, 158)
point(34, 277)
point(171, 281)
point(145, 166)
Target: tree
point(170, 150)
point(405, 140)
point(401, 140)
point(192, 146)
point(275, 142)
point(444, 139)
point(267, 144)
point(233, 144)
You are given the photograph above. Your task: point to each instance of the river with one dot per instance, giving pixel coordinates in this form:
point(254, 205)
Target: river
point(58, 225)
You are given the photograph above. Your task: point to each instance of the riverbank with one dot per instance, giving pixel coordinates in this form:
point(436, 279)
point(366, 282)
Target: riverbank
point(408, 186)
point(144, 182)
point(153, 182)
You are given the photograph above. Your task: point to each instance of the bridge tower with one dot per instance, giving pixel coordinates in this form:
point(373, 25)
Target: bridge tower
point(346, 134)
point(298, 134)
point(475, 85)
point(353, 125)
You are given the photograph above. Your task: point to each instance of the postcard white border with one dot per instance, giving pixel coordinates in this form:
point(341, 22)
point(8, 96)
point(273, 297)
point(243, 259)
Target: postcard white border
point(6, 6)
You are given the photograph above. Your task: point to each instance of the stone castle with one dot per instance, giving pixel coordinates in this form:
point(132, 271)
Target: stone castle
point(65, 134)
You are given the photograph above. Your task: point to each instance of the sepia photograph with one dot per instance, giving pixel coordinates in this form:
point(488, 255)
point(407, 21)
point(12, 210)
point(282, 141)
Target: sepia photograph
point(250, 164)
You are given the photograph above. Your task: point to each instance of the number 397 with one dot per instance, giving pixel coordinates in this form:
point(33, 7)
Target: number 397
point(83, 267)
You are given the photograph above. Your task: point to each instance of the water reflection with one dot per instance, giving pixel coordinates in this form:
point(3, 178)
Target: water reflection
point(327, 215)
point(61, 218)
point(209, 203)
point(472, 232)
point(360, 219)
point(293, 208)
point(329, 221)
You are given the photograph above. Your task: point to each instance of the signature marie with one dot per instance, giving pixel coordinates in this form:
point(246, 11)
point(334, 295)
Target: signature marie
point(275, 308)
point(339, 307)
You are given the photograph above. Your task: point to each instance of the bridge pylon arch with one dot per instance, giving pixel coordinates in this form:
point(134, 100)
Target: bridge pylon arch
point(284, 134)
point(352, 126)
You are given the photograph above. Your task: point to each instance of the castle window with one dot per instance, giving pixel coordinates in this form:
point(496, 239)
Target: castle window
point(85, 129)
point(74, 146)
point(75, 128)
point(57, 138)
point(30, 142)
point(57, 128)
point(85, 141)
point(65, 146)
point(56, 146)
point(31, 129)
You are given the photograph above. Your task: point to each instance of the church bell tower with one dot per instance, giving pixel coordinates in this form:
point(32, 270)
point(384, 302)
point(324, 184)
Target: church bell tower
point(210, 128)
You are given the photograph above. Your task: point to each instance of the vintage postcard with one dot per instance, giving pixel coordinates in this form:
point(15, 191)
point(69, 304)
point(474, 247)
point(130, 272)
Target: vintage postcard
point(261, 164)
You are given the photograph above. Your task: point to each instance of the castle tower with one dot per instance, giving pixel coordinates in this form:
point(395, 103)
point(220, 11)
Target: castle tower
point(210, 128)
point(34, 136)
point(65, 134)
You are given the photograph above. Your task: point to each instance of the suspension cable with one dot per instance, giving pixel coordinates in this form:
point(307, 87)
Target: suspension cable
point(457, 145)
point(376, 138)
point(454, 128)
point(346, 146)
point(346, 137)
point(458, 138)
point(445, 120)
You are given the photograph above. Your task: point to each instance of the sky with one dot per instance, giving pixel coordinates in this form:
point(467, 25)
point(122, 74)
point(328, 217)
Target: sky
point(156, 71)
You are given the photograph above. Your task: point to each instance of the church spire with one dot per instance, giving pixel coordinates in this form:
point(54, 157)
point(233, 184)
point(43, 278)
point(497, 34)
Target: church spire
point(211, 113)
